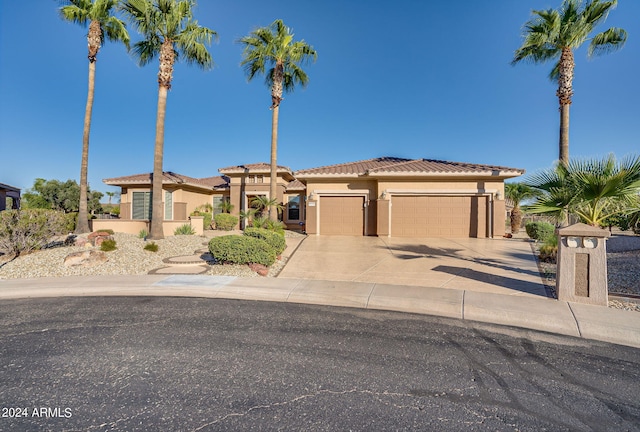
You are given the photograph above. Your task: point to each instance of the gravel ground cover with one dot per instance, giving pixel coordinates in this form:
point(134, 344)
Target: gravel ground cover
point(129, 258)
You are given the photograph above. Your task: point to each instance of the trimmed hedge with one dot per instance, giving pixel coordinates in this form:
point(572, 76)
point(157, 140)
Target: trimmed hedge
point(225, 221)
point(242, 250)
point(273, 239)
point(540, 230)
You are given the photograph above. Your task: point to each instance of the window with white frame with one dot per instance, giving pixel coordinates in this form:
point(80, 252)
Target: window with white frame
point(293, 207)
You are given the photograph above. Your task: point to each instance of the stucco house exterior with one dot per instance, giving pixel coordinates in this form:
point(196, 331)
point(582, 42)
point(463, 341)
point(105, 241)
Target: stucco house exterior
point(7, 191)
point(385, 196)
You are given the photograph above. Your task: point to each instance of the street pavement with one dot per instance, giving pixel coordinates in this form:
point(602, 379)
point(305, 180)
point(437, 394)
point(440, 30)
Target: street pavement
point(202, 364)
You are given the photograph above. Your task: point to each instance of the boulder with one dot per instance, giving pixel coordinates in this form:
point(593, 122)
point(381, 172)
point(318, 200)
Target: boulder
point(96, 238)
point(87, 258)
point(259, 268)
point(81, 241)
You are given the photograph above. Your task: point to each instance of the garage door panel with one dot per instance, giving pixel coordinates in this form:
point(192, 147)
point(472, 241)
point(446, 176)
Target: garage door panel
point(342, 215)
point(431, 216)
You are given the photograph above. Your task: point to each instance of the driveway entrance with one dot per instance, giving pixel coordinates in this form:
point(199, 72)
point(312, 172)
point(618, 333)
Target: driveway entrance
point(503, 266)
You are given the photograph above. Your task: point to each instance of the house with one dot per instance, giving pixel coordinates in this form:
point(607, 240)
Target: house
point(7, 191)
point(182, 195)
point(384, 196)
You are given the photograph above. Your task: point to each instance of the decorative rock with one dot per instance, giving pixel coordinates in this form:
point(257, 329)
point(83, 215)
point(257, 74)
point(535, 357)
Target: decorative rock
point(259, 268)
point(80, 241)
point(87, 258)
point(96, 238)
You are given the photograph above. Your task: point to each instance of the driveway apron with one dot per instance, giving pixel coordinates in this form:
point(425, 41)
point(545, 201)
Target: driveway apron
point(502, 266)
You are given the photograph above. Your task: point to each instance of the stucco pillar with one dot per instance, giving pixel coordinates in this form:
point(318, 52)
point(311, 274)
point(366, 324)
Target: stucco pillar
point(582, 265)
point(312, 214)
point(197, 223)
point(499, 217)
point(382, 228)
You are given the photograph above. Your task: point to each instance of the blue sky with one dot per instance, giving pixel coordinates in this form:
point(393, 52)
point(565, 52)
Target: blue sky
point(409, 78)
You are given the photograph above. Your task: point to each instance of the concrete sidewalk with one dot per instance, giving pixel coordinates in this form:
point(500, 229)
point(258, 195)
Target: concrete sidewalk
point(536, 313)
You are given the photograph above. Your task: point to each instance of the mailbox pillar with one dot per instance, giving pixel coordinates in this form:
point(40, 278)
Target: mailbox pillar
point(582, 265)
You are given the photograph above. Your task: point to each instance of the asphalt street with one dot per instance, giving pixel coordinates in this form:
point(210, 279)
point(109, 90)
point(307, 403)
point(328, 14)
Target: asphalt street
point(189, 364)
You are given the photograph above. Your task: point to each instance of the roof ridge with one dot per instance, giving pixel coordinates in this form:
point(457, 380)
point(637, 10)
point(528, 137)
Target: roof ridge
point(354, 163)
point(404, 161)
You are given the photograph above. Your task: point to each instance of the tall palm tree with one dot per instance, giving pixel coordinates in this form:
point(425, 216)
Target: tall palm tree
point(98, 14)
point(273, 47)
point(171, 33)
point(517, 193)
point(554, 35)
point(594, 190)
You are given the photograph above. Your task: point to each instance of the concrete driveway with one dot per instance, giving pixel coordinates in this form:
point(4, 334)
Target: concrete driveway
point(502, 266)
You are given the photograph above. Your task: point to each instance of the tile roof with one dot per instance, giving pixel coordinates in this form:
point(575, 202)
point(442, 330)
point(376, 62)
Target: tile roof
point(255, 167)
point(169, 177)
point(296, 185)
point(399, 166)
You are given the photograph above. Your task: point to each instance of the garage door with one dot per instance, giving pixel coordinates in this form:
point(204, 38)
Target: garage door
point(342, 215)
point(431, 216)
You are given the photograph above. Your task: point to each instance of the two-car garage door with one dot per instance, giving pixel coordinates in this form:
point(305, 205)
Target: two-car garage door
point(432, 216)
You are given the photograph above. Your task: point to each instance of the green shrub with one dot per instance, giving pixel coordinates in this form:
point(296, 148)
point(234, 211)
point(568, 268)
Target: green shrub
point(273, 239)
point(23, 231)
point(204, 211)
point(70, 221)
point(151, 247)
point(143, 234)
point(185, 229)
point(276, 226)
point(540, 230)
point(108, 245)
point(108, 231)
point(225, 221)
point(242, 250)
point(549, 249)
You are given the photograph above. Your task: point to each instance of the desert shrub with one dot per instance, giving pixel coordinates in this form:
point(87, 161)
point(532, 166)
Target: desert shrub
point(540, 230)
point(151, 247)
point(23, 231)
point(275, 240)
point(185, 229)
point(242, 250)
point(70, 221)
point(108, 245)
point(276, 226)
point(107, 230)
point(549, 249)
point(143, 234)
point(225, 221)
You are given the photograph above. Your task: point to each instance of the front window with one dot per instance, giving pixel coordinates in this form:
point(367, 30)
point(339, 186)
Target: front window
point(141, 205)
point(168, 205)
point(293, 208)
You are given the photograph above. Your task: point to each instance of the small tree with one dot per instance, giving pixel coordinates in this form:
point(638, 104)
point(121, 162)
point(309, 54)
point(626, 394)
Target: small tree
point(517, 193)
point(26, 230)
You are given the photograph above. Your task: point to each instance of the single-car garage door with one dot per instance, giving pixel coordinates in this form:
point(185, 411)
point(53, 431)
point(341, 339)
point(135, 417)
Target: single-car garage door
point(342, 215)
point(432, 216)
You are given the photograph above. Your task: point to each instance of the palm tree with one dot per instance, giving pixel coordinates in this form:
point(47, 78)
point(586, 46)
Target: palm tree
point(98, 14)
point(170, 33)
point(594, 190)
point(262, 203)
point(554, 35)
point(274, 47)
point(517, 193)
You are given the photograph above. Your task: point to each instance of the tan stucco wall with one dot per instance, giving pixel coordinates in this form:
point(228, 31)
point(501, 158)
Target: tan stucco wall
point(185, 201)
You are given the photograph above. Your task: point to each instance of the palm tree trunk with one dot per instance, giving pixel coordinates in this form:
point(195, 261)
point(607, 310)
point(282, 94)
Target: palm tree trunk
point(273, 173)
point(93, 39)
point(157, 214)
point(564, 93)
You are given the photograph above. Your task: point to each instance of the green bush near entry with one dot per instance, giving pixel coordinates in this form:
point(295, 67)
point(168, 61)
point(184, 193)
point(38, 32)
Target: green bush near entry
point(242, 250)
point(273, 238)
point(540, 230)
point(225, 221)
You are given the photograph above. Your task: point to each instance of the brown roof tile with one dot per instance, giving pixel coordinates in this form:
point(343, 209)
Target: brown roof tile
point(392, 165)
point(168, 177)
point(255, 167)
point(296, 185)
